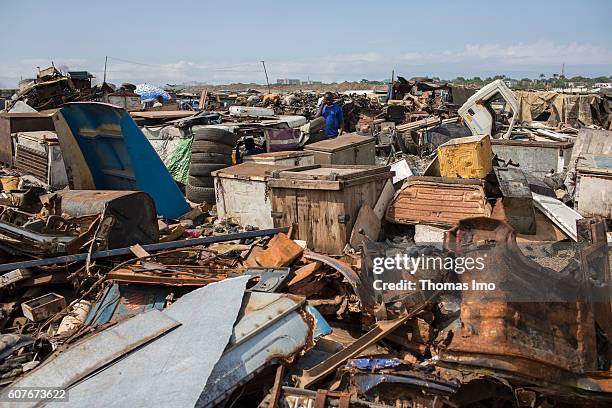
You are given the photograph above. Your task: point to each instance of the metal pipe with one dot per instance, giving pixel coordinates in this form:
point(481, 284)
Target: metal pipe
point(149, 248)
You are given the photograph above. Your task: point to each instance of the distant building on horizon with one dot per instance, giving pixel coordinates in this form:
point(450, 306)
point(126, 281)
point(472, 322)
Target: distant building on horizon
point(287, 81)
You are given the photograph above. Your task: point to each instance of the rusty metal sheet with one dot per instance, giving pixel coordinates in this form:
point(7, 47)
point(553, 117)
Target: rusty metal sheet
point(281, 251)
point(133, 212)
point(164, 278)
point(366, 293)
point(535, 325)
point(438, 201)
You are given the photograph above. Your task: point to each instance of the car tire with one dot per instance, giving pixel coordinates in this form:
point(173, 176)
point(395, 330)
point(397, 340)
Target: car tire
point(221, 136)
point(204, 169)
point(211, 158)
point(202, 181)
point(203, 146)
point(200, 194)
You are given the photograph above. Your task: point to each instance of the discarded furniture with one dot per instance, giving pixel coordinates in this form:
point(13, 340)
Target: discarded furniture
point(344, 149)
point(243, 195)
point(438, 201)
point(324, 201)
point(466, 157)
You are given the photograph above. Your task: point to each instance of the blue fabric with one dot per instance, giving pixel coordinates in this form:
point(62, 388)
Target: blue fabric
point(373, 364)
point(254, 150)
point(333, 119)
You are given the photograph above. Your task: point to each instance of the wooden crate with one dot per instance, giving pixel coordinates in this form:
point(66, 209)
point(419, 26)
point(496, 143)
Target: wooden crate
point(346, 150)
point(323, 201)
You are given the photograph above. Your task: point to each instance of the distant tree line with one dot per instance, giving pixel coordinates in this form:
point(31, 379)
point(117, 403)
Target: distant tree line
point(541, 82)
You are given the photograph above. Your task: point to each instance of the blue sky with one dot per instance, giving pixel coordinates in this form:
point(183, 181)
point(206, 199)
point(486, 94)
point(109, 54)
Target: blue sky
point(220, 42)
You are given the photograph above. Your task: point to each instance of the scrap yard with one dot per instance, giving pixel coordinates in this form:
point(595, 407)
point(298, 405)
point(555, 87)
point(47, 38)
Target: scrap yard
point(412, 242)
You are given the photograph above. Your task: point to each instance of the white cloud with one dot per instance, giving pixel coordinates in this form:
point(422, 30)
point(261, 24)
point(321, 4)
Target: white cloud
point(469, 60)
point(540, 52)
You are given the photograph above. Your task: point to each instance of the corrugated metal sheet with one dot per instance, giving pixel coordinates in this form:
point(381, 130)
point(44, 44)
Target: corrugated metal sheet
point(438, 201)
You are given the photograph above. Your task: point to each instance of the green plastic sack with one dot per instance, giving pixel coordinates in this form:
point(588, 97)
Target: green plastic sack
point(178, 162)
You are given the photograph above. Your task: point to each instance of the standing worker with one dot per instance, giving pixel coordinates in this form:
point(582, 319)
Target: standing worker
point(334, 118)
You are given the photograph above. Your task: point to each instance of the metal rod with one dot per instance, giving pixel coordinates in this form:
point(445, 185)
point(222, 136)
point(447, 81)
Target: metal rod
point(105, 61)
point(266, 72)
point(149, 248)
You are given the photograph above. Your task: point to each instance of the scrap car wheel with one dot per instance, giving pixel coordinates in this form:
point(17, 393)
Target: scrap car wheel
point(200, 194)
point(203, 146)
point(201, 181)
point(212, 158)
point(216, 135)
point(204, 169)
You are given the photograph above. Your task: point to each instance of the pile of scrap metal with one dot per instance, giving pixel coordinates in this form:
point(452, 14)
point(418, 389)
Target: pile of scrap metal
point(276, 324)
point(52, 89)
point(298, 103)
point(287, 305)
point(422, 95)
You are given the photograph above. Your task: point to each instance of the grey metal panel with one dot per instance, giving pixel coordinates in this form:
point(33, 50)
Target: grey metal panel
point(172, 370)
point(270, 329)
point(96, 351)
point(594, 196)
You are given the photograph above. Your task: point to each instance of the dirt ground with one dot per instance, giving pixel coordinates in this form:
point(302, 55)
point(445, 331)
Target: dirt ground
point(333, 87)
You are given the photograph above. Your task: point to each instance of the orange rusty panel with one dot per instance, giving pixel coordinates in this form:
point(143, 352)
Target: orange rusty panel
point(437, 201)
point(281, 251)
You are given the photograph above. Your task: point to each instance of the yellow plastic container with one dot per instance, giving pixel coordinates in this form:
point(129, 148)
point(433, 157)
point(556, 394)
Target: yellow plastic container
point(466, 157)
point(9, 183)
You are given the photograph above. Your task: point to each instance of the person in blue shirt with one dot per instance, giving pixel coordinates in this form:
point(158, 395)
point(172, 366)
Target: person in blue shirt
point(334, 118)
point(251, 148)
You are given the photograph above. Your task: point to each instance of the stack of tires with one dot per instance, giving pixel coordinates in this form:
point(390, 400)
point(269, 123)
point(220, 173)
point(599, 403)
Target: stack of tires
point(211, 150)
